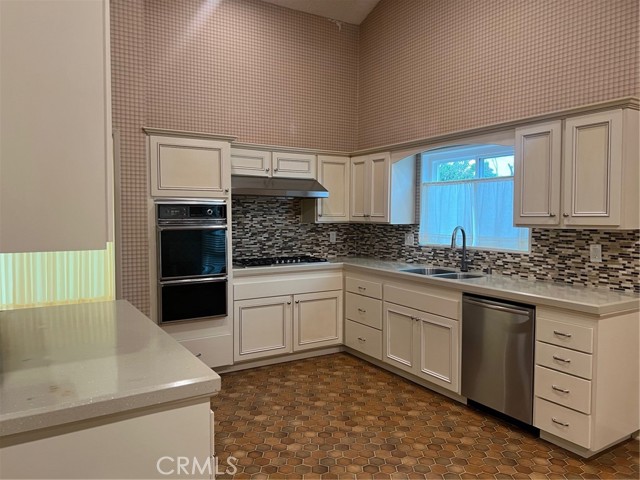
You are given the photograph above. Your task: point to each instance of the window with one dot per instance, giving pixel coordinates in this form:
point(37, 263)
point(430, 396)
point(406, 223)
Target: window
point(56, 278)
point(472, 186)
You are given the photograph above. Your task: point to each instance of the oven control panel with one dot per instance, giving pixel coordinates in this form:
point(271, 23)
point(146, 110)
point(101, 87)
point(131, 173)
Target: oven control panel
point(185, 212)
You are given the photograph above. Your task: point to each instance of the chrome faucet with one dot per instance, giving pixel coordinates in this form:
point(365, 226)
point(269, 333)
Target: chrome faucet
point(464, 264)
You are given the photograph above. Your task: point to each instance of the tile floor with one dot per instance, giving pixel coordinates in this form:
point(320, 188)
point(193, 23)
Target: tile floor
point(337, 416)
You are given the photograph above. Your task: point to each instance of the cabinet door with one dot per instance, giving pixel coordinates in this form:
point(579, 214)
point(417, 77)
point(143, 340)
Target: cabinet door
point(399, 347)
point(55, 126)
point(538, 155)
point(262, 327)
point(333, 174)
point(245, 161)
point(437, 346)
point(317, 320)
point(593, 169)
point(378, 181)
point(359, 189)
point(293, 165)
point(189, 167)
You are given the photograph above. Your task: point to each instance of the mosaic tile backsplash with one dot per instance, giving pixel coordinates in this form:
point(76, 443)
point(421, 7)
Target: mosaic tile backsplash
point(271, 226)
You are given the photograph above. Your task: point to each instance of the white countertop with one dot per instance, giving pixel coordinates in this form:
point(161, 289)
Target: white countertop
point(596, 301)
point(68, 363)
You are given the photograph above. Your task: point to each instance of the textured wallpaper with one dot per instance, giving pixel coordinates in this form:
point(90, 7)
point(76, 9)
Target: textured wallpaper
point(429, 67)
point(413, 69)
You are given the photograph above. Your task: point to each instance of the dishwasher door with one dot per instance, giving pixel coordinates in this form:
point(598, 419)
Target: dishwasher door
point(497, 355)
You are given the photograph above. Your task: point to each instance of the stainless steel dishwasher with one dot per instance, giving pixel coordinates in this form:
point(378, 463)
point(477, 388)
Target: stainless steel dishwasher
point(497, 355)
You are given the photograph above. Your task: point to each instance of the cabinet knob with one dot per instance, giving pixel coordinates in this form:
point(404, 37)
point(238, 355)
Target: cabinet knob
point(267, 169)
point(297, 301)
point(319, 214)
point(552, 214)
point(226, 190)
point(565, 215)
point(275, 169)
point(289, 302)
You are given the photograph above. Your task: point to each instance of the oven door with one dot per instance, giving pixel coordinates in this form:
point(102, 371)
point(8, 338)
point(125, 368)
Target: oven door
point(192, 299)
point(191, 252)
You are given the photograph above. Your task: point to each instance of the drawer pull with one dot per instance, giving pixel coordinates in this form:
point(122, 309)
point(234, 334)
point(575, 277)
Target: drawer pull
point(558, 389)
point(559, 422)
point(562, 334)
point(198, 354)
point(560, 359)
point(362, 288)
point(361, 310)
point(362, 339)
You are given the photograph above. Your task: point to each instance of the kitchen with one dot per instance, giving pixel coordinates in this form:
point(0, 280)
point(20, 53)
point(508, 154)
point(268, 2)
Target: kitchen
point(411, 74)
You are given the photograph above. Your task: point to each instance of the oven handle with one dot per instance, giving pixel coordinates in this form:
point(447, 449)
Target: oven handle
point(194, 280)
point(192, 227)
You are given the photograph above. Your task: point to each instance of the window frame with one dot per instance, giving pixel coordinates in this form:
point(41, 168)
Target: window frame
point(431, 159)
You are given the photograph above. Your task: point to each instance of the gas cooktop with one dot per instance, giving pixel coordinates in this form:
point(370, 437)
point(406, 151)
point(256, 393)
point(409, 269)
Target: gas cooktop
point(275, 261)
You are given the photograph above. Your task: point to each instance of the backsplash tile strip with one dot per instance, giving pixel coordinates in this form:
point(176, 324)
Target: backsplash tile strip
point(271, 227)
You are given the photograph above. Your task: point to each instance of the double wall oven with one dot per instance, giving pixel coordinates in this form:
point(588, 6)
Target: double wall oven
point(192, 253)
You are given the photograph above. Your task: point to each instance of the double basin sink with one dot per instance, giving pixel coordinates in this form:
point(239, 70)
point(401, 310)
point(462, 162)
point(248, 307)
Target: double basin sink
point(441, 273)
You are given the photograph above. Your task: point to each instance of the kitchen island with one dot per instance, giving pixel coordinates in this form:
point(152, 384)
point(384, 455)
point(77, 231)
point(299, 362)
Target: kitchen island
point(97, 390)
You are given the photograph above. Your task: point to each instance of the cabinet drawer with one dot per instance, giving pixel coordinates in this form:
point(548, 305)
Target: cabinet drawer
point(567, 390)
point(562, 422)
point(365, 310)
point(214, 351)
point(364, 287)
point(566, 335)
point(364, 339)
point(564, 360)
point(426, 300)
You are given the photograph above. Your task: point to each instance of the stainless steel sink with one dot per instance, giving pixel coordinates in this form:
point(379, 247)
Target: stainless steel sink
point(458, 275)
point(427, 270)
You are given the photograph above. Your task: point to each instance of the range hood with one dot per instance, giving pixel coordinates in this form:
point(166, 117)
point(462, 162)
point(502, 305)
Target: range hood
point(277, 187)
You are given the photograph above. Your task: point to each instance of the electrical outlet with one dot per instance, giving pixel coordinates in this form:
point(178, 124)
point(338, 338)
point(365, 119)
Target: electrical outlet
point(408, 239)
point(595, 253)
point(332, 237)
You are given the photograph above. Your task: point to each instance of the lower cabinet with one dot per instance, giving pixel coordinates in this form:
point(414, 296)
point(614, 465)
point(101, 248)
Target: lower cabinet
point(270, 326)
point(317, 320)
point(423, 344)
point(263, 327)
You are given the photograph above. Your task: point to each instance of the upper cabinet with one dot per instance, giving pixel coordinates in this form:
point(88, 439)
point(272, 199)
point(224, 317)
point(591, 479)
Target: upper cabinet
point(189, 167)
point(263, 163)
point(598, 158)
point(537, 174)
point(382, 191)
point(55, 125)
point(333, 174)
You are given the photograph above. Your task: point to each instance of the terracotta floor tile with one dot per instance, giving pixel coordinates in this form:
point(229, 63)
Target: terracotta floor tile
point(339, 417)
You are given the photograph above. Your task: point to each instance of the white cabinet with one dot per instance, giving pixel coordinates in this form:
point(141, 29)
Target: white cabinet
point(363, 311)
point(264, 163)
point(582, 173)
point(423, 344)
point(586, 379)
point(382, 189)
point(538, 153)
point(333, 174)
point(262, 327)
point(370, 188)
point(421, 333)
point(317, 320)
point(189, 167)
point(294, 312)
point(55, 126)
